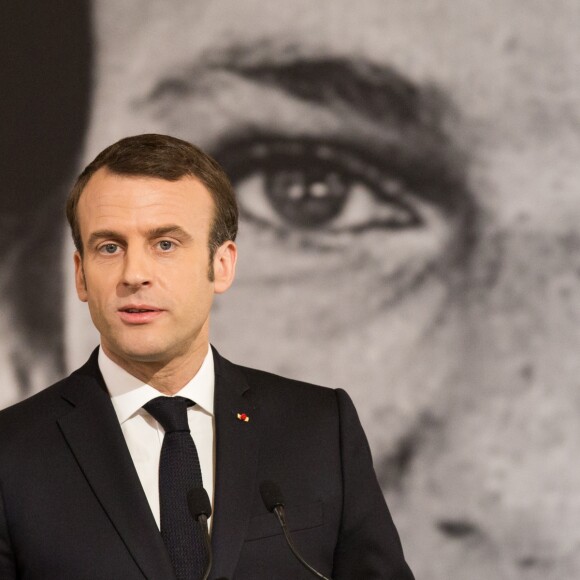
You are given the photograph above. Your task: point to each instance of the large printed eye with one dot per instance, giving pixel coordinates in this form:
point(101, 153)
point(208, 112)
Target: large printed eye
point(317, 187)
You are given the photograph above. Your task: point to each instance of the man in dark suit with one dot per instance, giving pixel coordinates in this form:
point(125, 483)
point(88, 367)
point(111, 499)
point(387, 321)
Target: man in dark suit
point(154, 222)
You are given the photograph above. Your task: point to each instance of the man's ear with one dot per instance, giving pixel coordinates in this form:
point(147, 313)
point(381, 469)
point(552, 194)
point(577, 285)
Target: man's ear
point(80, 283)
point(224, 266)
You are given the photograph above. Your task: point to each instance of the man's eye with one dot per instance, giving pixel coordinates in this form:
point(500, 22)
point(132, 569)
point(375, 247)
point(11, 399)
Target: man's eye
point(109, 249)
point(165, 245)
point(318, 187)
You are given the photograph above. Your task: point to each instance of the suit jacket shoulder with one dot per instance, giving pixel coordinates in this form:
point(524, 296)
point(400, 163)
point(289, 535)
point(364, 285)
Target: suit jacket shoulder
point(311, 443)
point(71, 504)
point(25, 420)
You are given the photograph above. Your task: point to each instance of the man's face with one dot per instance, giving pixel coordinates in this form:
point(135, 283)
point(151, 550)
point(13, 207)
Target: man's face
point(145, 265)
point(408, 176)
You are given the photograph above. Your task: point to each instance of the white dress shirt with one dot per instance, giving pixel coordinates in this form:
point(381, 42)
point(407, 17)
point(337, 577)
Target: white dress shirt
point(144, 435)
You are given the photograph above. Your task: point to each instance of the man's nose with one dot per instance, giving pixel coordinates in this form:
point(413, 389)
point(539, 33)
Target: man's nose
point(136, 269)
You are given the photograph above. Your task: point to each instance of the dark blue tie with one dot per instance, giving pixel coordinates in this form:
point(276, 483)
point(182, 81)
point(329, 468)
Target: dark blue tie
point(179, 471)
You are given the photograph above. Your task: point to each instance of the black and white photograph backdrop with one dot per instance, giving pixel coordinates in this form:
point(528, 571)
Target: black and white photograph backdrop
point(408, 176)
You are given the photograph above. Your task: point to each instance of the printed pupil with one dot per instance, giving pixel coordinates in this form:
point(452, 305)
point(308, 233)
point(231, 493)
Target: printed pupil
point(307, 198)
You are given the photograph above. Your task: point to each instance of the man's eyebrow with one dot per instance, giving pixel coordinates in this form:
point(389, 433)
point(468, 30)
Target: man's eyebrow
point(99, 235)
point(158, 232)
point(169, 230)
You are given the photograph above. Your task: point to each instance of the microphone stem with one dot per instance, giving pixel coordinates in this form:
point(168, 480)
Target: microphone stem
point(203, 521)
point(280, 514)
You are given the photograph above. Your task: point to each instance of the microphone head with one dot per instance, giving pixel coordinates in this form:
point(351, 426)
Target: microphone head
point(271, 495)
point(198, 503)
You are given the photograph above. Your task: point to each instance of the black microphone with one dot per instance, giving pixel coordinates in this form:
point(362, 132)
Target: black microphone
point(200, 509)
point(274, 502)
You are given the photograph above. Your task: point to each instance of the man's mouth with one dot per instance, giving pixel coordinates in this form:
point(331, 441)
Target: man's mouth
point(139, 314)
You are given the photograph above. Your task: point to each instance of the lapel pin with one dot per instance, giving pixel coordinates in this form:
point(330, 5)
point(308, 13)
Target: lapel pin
point(243, 417)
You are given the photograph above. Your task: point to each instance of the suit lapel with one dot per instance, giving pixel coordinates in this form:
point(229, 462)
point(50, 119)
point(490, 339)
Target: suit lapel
point(94, 435)
point(236, 464)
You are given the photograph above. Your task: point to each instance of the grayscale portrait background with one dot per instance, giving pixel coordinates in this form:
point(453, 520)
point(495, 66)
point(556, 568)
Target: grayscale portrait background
point(408, 175)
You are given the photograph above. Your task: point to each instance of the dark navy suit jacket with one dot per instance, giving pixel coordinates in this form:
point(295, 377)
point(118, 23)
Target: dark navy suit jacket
point(72, 506)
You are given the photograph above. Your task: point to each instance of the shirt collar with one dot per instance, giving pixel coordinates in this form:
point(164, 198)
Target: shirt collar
point(129, 394)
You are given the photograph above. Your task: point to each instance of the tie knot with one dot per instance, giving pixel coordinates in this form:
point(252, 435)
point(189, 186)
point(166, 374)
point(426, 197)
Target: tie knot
point(171, 412)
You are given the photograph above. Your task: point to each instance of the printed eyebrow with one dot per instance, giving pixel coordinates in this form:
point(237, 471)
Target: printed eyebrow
point(379, 92)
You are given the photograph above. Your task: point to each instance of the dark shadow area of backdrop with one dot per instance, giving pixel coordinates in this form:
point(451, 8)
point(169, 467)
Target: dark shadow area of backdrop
point(45, 58)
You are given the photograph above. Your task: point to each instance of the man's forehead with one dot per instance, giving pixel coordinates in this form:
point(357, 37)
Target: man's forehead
point(105, 177)
point(106, 187)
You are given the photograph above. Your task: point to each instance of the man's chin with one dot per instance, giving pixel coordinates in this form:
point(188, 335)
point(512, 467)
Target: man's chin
point(140, 354)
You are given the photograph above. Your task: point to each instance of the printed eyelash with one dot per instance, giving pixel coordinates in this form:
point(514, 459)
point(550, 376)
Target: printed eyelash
point(314, 161)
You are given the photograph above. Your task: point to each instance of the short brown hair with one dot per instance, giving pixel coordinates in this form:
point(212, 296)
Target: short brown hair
point(169, 158)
